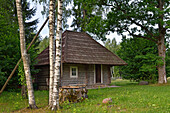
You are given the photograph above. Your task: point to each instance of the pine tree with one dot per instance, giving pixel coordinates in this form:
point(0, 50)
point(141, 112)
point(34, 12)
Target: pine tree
point(30, 26)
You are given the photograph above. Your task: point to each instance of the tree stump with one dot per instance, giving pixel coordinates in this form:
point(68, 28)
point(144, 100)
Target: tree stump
point(72, 94)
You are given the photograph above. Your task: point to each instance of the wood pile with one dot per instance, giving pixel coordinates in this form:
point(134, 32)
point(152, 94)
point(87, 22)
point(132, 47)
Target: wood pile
point(73, 94)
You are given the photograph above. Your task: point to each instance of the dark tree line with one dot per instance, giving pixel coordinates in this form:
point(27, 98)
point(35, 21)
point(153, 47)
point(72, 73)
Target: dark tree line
point(9, 38)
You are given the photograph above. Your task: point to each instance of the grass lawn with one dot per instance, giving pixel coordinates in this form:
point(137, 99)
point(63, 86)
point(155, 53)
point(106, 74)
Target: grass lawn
point(130, 97)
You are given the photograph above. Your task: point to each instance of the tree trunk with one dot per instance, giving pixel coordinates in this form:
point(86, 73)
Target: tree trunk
point(57, 57)
point(161, 46)
point(24, 91)
point(161, 67)
point(25, 57)
point(51, 48)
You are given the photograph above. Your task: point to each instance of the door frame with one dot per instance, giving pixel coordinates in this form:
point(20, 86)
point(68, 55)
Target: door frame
point(100, 74)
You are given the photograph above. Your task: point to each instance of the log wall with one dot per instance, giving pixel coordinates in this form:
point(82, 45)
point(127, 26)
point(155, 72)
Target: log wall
point(42, 77)
point(84, 72)
point(85, 75)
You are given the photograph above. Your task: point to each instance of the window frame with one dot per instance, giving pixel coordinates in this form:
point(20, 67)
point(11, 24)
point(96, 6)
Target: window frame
point(71, 76)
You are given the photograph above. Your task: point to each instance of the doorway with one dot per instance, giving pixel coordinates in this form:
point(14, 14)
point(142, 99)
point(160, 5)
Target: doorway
point(98, 73)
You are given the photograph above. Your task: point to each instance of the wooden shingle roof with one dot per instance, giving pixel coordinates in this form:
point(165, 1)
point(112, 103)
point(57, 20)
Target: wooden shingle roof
point(79, 47)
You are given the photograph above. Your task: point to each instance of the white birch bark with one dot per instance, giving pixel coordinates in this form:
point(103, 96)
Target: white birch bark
point(25, 57)
point(57, 58)
point(51, 48)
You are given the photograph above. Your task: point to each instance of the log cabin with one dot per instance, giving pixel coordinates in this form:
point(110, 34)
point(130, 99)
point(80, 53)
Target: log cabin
point(84, 61)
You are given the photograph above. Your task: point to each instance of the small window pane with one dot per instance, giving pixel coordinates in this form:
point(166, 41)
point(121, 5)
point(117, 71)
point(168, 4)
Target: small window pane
point(73, 71)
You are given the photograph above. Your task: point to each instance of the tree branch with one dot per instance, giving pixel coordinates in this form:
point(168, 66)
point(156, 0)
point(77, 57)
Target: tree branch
point(144, 37)
point(133, 21)
point(143, 27)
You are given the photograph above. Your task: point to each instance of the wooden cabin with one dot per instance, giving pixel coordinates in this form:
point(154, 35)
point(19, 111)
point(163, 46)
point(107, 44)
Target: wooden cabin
point(84, 60)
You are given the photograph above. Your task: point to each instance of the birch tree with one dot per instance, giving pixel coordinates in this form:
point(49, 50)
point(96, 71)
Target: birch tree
point(57, 70)
point(51, 47)
point(25, 58)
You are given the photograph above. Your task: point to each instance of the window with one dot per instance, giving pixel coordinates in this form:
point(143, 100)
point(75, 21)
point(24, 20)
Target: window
point(73, 72)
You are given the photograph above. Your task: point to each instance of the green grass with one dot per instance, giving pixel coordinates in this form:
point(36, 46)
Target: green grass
point(128, 98)
point(12, 101)
point(120, 82)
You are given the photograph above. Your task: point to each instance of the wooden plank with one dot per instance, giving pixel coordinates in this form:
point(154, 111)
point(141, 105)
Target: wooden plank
point(69, 87)
point(74, 87)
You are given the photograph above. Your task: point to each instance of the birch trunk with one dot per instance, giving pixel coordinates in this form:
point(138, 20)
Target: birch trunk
point(51, 48)
point(25, 57)
point(57, 70)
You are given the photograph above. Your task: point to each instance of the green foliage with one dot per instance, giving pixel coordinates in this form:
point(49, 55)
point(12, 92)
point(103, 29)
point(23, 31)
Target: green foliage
point(83, 11)
point(140, 19)
point(29, 26)
point(21, 73)
point(137, 18)
point(87, 16)
point(142, 59)
point(148, 68)
point(43, 44)
point(116, 71)
point(33, 54)
point(96, 26)
point(22, 80)
point(144, 14)
point(112, 45)
point(9, 40)
point(9, 44)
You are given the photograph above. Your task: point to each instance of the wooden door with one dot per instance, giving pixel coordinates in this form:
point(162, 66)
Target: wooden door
point(98, 73)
